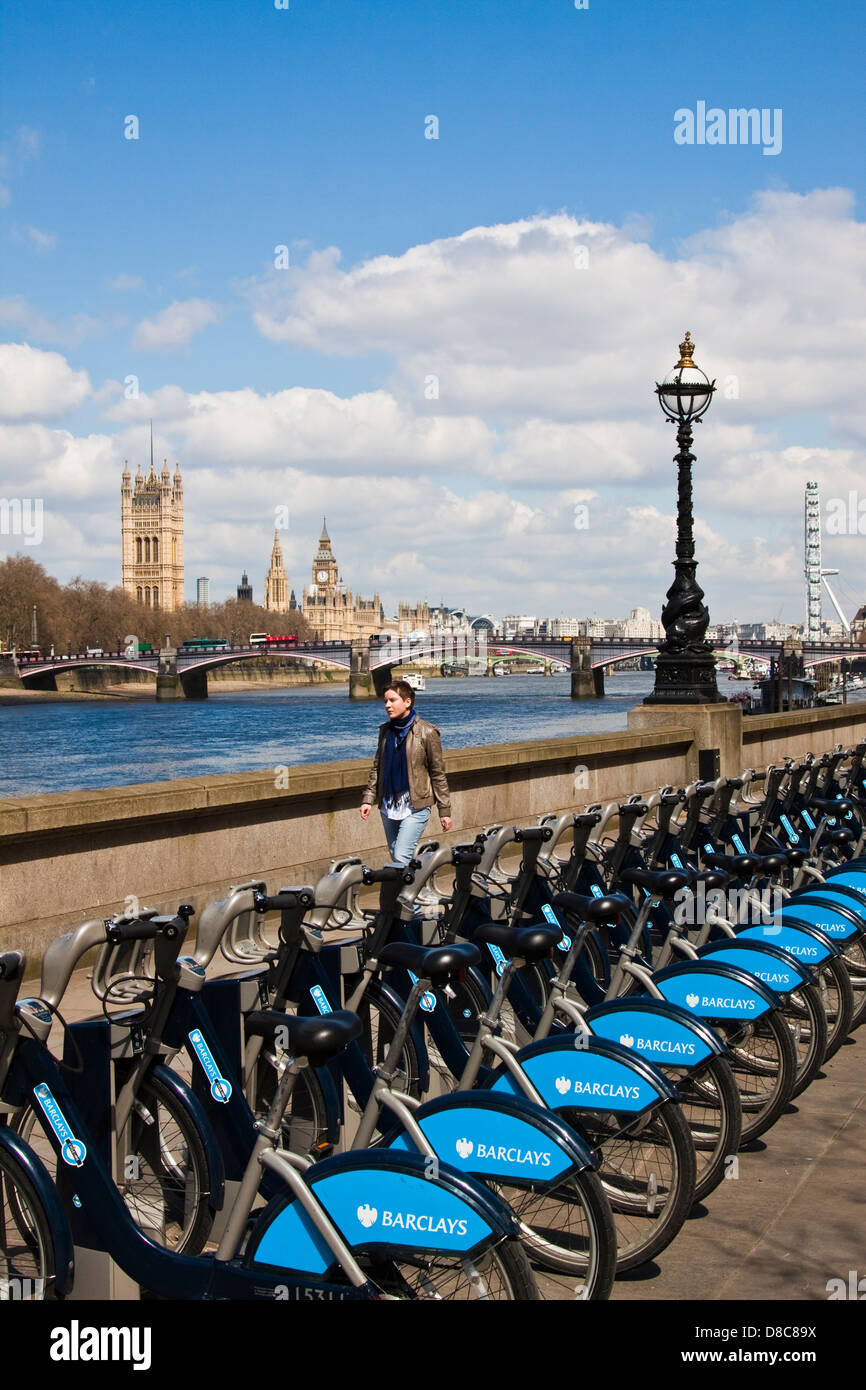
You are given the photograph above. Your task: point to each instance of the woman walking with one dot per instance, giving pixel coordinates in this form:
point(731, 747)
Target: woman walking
point(407, 775)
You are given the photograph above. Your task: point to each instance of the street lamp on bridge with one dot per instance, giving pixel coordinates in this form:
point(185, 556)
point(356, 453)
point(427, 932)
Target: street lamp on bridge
point(686, 665)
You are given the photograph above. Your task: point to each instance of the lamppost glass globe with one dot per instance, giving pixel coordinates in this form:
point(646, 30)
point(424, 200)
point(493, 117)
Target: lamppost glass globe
point(686, 392)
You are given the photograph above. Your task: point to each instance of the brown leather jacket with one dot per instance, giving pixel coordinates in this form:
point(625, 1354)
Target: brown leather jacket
point(426, 765)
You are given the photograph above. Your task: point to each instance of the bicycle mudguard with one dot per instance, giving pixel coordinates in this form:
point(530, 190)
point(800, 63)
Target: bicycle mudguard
point(835, 922)
point(841, 895)
point(713, 990)
point(661, 1032)
point(213, 1153)
point(782, 972)
point(48, 1195)
point(495, 1136)
point(383, 1201)
point(582, 1072)
point(795, 939)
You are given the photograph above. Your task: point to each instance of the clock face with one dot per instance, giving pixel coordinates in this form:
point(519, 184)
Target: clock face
point(322, 576)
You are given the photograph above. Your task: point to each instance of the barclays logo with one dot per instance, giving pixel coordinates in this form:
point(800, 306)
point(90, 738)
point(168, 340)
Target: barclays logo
point(367, 1215)
point(464, 1147)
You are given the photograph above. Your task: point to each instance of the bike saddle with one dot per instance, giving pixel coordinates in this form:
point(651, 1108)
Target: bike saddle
point(774, 863)
point(663, 884)
point(318, 1039)
point(796, 857)
point(434, 963)
point(710, 878)
point(528, 943)
point(841, 836)
point(606, 909)
point(737, 865)
point(831, 808)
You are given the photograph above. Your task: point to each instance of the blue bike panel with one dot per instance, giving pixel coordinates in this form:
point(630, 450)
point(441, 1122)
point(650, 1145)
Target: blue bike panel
point(373, 1206)
point(654, 1035)
point(709, 993)
point(824, 918)
point(490, 1143)
point(807, 948)
point(575, 1077)
point(778, 974)
point(849, 878)
point(856, 903)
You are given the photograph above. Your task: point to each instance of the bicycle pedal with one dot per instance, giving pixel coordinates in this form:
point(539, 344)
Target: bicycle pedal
point(323, 1150)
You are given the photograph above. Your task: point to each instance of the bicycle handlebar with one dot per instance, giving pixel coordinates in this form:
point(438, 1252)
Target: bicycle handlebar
point(533, 834)
point(390, 874)
point(12, 965)
point(284, 901)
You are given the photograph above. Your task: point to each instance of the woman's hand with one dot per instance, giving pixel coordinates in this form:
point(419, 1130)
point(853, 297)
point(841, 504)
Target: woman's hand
point(445, 822)
point(365, 811)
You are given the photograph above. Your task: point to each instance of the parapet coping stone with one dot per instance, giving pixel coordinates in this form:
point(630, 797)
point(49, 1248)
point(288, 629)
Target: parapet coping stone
point(59, 812)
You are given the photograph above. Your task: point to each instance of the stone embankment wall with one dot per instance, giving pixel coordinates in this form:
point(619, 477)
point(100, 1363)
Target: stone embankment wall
point(74, 855)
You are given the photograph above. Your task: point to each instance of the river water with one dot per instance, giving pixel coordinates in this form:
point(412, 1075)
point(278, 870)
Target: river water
point(56, 747)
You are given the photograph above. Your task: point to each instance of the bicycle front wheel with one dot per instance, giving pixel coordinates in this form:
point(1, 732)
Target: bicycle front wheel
point(166, 1180)
point(27, 1264)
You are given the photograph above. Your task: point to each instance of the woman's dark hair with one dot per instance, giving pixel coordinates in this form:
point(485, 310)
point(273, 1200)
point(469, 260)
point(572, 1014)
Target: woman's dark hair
point(403, 689)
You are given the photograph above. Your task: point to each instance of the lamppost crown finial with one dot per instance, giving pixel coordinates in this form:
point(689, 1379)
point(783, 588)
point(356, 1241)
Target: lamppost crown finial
point(687, 347)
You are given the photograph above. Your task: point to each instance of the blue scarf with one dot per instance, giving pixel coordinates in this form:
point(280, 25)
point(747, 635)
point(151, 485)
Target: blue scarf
point(395, 778)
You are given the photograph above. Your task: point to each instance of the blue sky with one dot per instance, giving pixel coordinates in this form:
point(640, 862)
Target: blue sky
point(305, 127)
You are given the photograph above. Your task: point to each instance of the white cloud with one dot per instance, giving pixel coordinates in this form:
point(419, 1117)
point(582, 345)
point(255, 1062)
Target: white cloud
point(121, 283)
point(175, 326)
point(35, 237)
point(36, 384)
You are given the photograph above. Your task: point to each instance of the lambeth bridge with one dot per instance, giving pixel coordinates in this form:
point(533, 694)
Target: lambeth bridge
point(182, 673)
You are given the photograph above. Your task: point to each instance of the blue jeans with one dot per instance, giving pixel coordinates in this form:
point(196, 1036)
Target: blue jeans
point(403, 835)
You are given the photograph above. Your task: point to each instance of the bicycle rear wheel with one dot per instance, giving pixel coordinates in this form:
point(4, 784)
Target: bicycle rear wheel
point(807, 1020)
point(837, 997)
point(568, 1228)
point(502, 1273)
point(648, 1174)
point(710, 1102)
point(764, 1062)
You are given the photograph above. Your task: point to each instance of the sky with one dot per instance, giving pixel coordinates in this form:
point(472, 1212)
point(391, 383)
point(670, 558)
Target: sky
point(418, 266)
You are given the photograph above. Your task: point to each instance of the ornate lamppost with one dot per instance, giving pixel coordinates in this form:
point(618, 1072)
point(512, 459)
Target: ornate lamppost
point(686, 665)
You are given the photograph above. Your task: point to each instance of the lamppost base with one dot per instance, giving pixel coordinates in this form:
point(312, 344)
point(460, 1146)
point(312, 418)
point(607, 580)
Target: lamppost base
point(685, 678)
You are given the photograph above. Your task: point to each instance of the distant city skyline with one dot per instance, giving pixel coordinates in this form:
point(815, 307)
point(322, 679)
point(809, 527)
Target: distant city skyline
point(420, 267)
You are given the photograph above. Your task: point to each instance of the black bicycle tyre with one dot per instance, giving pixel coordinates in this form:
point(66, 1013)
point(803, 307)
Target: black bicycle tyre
point(854, 959)
point(594, 1266)
point(761, 1111)
point(183, 1176)
point(632, 1192)
point(379, 1020)
point(304, 1125)
point(445, 1278)
point(834, 978)
point(26, 1240)
point(703, 1093)
point(804, 1010)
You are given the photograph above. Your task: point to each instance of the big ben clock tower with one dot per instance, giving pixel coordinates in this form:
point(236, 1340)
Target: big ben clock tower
point(325, 574)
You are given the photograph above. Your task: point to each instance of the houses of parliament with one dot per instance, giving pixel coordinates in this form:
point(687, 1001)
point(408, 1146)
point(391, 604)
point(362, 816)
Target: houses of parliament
point(153, 571)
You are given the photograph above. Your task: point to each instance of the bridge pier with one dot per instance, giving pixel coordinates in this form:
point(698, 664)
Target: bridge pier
point(361, 683)
point(583, 679)
point(168, 686)
point(9, 677)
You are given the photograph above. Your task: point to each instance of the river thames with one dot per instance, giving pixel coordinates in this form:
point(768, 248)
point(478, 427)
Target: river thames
point(61, 747)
